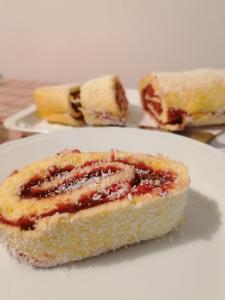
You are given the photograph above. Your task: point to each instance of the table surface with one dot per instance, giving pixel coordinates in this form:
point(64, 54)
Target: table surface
point(15, 95)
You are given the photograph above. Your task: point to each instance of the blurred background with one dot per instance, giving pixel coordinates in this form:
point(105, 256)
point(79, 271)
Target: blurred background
point(69, 40)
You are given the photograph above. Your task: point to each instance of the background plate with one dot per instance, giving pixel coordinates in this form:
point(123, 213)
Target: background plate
point(28, 120)
point(187, 264)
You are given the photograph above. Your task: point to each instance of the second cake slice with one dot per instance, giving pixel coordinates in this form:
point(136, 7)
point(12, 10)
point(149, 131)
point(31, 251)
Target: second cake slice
point(103, 101)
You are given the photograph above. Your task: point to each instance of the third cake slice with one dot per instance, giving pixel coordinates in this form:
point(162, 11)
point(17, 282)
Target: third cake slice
point(181, 99)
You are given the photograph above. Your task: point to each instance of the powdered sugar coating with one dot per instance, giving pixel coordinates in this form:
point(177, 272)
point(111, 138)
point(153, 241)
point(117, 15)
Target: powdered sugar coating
point(102, 228)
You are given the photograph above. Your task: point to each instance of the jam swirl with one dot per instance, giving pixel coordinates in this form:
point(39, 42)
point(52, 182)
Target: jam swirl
point(146, 94)
point(145, 180)
point(121, 96)
point(33, 188)
point(174, 115)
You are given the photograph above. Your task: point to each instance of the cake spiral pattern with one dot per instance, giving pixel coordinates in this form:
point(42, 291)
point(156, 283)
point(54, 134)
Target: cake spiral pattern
point(75, 205)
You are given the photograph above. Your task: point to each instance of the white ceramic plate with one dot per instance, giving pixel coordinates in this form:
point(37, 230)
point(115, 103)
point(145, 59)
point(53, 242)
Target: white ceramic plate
point(188, 264)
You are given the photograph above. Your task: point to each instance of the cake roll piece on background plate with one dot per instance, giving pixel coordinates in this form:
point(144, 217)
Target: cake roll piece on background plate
point(103, 101)
point(59, 104)
point(76, 205)
point(184, 99)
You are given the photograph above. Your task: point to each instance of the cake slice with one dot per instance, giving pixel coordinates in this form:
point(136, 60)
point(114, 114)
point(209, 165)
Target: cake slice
point(103, 101)
point(184, 99)
point(59, 104)
point(76, 205)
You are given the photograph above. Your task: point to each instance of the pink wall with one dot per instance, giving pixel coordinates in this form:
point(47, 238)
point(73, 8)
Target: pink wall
point(76, 40)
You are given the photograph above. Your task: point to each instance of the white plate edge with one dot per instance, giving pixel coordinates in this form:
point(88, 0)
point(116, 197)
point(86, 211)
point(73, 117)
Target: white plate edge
point(41, 136)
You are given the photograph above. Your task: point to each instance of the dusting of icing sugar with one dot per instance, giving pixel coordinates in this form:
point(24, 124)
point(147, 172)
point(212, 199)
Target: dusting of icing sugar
point(58, 182)
point(111, 193)
point(129, 196)
point(141, 179)
point(141, 171)
point(122, 191)
point(96, 197)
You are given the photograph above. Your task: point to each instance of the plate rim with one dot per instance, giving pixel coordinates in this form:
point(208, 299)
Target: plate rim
point(10, 122)
point(60, 132)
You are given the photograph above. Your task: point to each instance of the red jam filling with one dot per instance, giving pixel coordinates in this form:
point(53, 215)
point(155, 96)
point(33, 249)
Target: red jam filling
point(56, 171)
point(25, 223)
point(175, 116)
point(120, 96)
point(75, 102)
point(157, 106)
point(148, 96)
point(33, 189)
point(146, 180)
point(147, 92)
